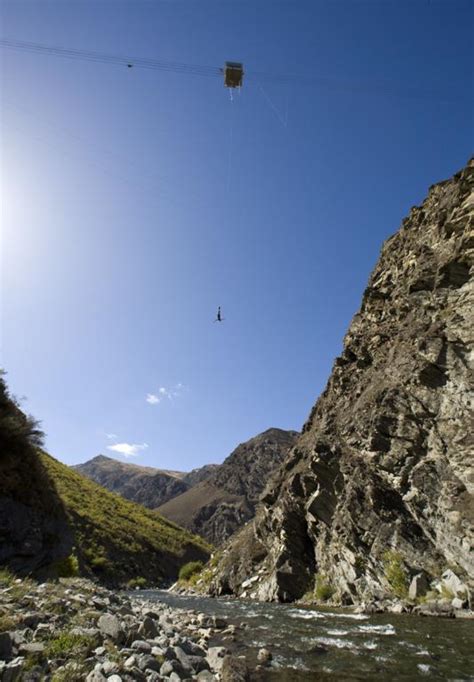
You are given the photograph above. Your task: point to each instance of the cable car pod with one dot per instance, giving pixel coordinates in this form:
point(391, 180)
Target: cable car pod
point(233, 74)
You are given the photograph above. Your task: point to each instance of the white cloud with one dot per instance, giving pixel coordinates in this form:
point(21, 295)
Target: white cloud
point(165, 393)
point(128, 449)
point(111, 436)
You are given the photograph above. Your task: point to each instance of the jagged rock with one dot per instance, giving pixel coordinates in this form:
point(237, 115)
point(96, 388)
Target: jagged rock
point(6, 648)
point(206, 676)
point(418, 586)
point(109, 625)
point(453, 584)
point(148, 628)
point(380, 484)
point(234, 669)
point(147, 662)
point(31, 648)
point(215, 657)
point(141, 646)
point(13, 670)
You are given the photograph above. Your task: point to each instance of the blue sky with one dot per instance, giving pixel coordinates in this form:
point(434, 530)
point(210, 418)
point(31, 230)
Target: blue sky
point(136, 201)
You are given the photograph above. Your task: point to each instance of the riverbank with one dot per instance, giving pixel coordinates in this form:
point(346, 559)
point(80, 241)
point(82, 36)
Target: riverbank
point(74, 630)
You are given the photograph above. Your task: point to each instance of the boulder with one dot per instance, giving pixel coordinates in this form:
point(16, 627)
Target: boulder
point(215, 657)
point(148, 628)
point(234, 669)
point(141, 646)
point(451, 583)
point(109, 625)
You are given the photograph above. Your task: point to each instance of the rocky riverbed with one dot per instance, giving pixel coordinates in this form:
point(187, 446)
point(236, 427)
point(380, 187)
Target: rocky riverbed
point(73, 630)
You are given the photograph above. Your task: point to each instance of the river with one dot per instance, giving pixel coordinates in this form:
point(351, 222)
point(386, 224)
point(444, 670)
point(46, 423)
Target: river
point(329, 644)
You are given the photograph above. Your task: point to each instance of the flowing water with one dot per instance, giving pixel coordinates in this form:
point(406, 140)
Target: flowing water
point(328, 644)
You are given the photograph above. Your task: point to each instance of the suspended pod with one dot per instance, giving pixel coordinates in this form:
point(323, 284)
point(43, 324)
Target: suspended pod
point(233, 74)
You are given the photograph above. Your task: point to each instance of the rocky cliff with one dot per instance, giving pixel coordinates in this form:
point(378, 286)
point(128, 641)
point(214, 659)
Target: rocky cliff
point(379, 487)
point(218, 506)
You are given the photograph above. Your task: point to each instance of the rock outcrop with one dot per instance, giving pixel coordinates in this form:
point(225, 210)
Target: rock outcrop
point(218, 506)
point(379, 487)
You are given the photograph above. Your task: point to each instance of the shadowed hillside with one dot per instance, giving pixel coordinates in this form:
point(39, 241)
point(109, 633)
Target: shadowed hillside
point(53, 521)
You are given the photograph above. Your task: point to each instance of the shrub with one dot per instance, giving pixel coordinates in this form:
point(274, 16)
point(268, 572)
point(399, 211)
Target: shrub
point(137, 582)
point(101, 564)
point(395, 573)
point(6, 577)
point(7, 623)
point(189, 570)
point(67, 645)
point(323, 590)
point(68, 567)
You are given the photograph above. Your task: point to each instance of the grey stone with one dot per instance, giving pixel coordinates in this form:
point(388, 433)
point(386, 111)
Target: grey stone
point(6, 650)
point(114, 678)
point(140, 645)
point(109, 625)
point(206, 676)
point(453, 584)
point(109, 667)
point(148, 628)
point(166, 668)
point(458, 603)
point(146, 662)
point(418, 587)
point(215, 657)
point(183, 659)
point(95, 676)
point(130, 662)
point(234, 669)
point(31, 648)
point(13, 670)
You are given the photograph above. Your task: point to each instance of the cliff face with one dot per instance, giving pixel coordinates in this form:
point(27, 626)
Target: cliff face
point(218, 506)
point(381, 480)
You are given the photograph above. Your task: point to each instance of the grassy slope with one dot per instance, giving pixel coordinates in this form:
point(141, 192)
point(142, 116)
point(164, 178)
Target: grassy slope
point(117, 539)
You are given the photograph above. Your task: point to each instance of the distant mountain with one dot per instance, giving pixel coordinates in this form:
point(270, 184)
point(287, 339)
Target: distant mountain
point(216, 507)
point(144, 485)
point(53, 521)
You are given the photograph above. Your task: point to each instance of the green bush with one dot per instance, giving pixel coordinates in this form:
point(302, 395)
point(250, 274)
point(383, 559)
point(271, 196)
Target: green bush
point(189, 570)
point(323, 590)
point(68, 567)
point(395, 573)
point(6, 577)
point(137, 582)
point(67, 645)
